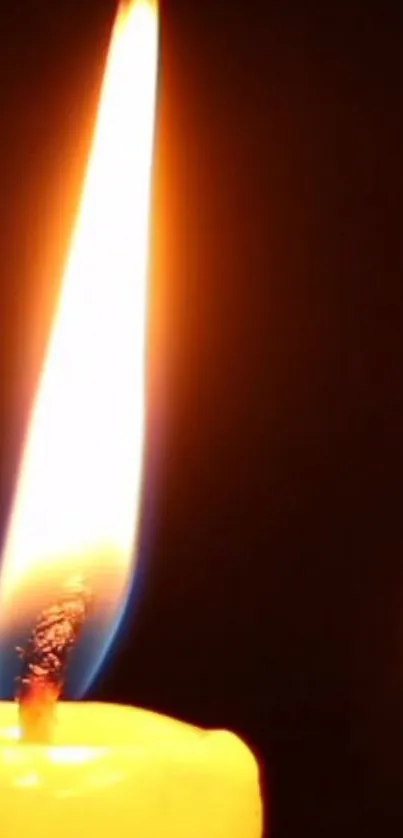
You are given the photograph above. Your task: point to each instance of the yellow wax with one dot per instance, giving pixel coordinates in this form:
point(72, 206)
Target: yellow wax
point(122, 772)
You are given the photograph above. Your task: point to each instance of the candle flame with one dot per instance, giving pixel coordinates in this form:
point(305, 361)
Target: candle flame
point(79, 484)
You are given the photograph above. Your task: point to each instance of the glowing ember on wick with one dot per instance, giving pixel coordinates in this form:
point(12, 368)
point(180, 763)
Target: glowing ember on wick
point(45, 659)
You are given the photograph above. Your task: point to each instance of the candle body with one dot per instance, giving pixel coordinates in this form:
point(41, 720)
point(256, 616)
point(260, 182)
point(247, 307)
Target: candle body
point(121, 771)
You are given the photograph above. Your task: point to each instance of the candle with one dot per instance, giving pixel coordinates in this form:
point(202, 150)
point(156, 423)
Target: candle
point(126, 772)
point(89, 769)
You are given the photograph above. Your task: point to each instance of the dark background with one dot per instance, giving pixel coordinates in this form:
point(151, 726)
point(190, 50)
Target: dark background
point(273, 593)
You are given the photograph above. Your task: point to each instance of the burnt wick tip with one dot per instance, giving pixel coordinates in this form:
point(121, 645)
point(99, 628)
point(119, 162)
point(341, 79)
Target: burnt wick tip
point(45, 658)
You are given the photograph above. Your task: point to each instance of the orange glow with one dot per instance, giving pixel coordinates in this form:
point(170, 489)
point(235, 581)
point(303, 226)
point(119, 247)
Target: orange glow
point(79, 484)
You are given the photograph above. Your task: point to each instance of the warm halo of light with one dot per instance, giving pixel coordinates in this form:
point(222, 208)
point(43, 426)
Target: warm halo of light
point(77, 498)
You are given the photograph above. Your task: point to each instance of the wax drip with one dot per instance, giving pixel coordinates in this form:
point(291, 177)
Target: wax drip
point(45, 659)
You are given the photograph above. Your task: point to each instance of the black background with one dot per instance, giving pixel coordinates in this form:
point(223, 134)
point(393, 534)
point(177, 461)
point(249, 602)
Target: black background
point(272, 601)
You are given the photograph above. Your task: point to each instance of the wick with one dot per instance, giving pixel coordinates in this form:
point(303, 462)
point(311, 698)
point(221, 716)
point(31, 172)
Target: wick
point(44, 661)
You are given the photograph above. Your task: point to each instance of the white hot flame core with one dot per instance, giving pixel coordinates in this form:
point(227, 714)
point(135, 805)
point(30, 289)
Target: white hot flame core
point(79, 483)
